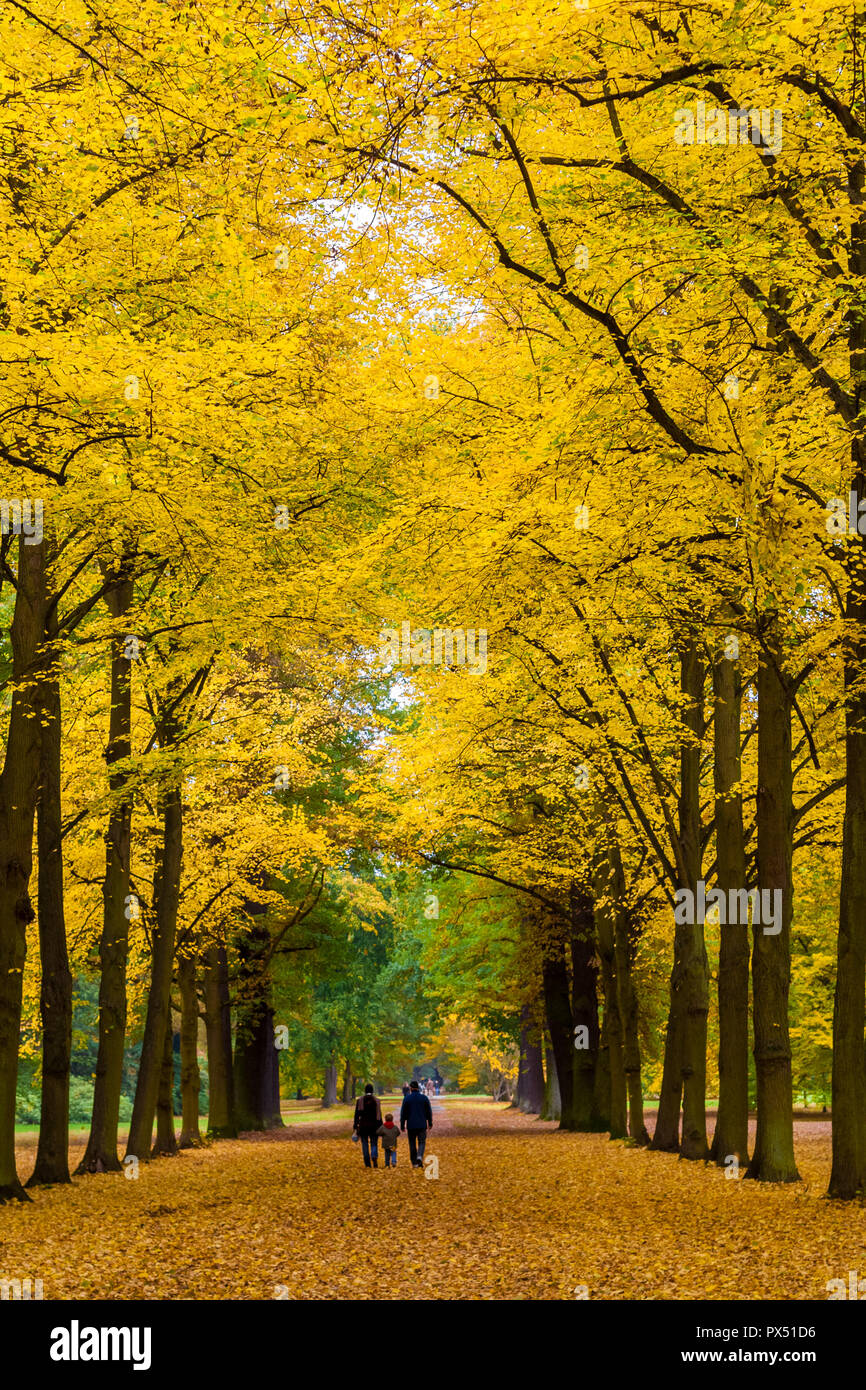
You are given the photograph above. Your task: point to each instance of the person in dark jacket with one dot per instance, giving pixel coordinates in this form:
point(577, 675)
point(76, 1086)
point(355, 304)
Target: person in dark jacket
point(416, 1117)
point(368, 1118)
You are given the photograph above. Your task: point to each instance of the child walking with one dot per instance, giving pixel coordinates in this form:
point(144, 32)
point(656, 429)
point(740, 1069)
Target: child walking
point(389, 1134)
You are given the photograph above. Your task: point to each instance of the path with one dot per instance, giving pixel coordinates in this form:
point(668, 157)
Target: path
point(519, 1210)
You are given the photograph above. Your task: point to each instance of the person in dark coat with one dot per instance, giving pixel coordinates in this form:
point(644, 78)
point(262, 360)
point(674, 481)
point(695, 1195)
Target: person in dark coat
point(368, 1118)
point(416, 1117)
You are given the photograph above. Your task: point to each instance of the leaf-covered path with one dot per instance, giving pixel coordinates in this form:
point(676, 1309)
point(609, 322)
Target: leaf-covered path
point(519, 1210)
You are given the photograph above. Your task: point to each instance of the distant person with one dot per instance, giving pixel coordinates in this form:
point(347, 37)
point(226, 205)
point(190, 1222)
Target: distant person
point(405, 1089)
point(416, 1117)
point(368, 1118)
point(436, 1086)
point(389, 1134)
point(429, 1089)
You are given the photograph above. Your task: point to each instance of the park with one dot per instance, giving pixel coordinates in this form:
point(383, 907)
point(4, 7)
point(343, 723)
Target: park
point(432, 650)
point(518, 1209)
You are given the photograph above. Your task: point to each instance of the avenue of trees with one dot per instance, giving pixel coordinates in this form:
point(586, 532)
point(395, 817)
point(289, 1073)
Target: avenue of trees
point(325, 324)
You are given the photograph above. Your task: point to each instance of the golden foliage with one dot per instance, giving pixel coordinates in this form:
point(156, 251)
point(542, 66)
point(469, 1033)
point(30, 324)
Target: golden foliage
point(519, 1210)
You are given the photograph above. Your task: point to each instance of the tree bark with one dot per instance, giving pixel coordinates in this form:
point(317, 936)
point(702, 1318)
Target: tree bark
point(254, 1032)
point(531, 1074)
point(584, 995)
point(347, 1085)
point(101, 1153)
point(190, 1076)
point(627, 999)
point(166, 895)
point(517, 1098)
point(218, 1025)
point(604, 927)
point(552, 1108)
point(19, 782)
point(848, 1174)
point(602, 1075)
point(666, 1135)
point(685, 1065)
point(731, 1135)
point(271, 1109)
point(696, 981)
point(557, 1006)
point(249, 1066)
point(773, 1159)
point(330, 1095)
point(55, 996)
point(166, 1139)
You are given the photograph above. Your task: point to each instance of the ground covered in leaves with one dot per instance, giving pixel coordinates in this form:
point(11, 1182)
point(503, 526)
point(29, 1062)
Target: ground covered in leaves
point(518, 1211)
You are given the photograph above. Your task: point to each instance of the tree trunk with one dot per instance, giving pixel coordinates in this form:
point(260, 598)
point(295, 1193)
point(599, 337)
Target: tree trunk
point(666, 1135)
point(685, 1065)
point(531, 1075)
point(552, 1108)
point(330, 1096)
point(254, 1031)
point(584, 995)
point(271, 1110)
point(249, 1065)
point(517, 1099)
point(696, 981)
point(627, 1000)
point(55, 998)
point(773, 1159)
point(166, 894)
point(848, 1175)
point(19, 782)
point(101, 1153)
point(190, 1076)
point(218, 1025)
point(732, 1121)
point(557, 1006)
point(604, 927)
point(166, 1139)
point(347, 1085)
point(602, 1075)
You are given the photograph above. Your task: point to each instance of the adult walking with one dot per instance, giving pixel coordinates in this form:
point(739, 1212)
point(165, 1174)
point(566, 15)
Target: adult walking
point(368, 1118)
point(416, 1117)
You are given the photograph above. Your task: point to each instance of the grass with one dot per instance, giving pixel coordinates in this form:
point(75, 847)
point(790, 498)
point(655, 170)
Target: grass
point(75, 1131)
point(294, 1112)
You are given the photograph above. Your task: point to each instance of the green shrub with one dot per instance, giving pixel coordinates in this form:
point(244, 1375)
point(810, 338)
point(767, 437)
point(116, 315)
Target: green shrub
point(29, 1095)
point(27, 1103)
